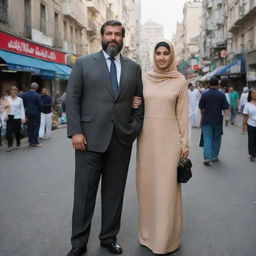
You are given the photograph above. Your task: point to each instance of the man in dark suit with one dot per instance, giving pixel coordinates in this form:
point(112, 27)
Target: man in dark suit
point(32, 104)
point(103, 126)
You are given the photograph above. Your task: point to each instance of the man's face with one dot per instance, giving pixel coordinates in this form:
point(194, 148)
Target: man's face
point(191, 87)
point(231, 89)
point(44, 91)
point(112, 40)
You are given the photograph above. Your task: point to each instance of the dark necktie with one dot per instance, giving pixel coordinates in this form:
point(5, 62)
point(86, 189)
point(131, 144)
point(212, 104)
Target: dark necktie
point(113, 77)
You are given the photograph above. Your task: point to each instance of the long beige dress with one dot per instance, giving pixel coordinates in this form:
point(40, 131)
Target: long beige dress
point(164, 136)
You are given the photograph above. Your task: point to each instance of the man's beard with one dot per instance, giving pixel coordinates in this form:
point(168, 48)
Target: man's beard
point(112, 50)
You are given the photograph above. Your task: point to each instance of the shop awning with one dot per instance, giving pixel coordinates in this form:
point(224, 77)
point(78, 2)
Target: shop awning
point(208, 75)
point(235, 67)
point(28, 64)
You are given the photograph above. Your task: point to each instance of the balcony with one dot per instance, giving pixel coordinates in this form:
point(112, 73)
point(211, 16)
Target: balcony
point(76, 10)
point(243, 20)
point(219, 2)
point(110, 14)
point(92, 28)
point(93, 5)
point(210, 4)
point(219, 44)
point(219, 20)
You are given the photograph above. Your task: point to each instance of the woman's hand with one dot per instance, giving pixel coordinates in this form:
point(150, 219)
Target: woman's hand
point(136, 102)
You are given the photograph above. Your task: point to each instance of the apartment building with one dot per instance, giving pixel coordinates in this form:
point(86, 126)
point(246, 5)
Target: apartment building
point(213, 40)
point(187, 38)
point(241, 44)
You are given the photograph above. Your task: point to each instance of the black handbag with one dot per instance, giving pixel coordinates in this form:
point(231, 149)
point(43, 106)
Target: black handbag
point(184, 170)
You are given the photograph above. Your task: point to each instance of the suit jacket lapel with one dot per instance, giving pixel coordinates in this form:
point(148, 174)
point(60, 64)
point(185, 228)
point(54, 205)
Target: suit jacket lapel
point(124, 71)
point(103, 71)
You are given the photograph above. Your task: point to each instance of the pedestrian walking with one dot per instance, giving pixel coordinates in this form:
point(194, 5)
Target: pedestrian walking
point(46, 115)
point(234, 101)
point(58, 101)
point(249, 123)
point(243, 99)
point(103, 126)
point(162, 142)
point(226, 117)
point(212, 103)
point(4, 109)
point(32, 104)
point(194, 111)
point(14, 119)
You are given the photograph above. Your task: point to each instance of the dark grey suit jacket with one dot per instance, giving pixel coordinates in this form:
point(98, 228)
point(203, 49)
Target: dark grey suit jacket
point(91, 108)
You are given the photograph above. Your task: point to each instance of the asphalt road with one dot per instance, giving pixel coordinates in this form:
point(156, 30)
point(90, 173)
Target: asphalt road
point(36, 197)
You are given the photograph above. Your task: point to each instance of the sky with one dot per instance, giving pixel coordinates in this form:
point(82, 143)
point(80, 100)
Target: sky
point(165, 12)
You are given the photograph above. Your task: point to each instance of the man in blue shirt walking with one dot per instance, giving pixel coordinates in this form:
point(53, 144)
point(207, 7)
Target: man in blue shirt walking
point(32, 104)
point(211, 104)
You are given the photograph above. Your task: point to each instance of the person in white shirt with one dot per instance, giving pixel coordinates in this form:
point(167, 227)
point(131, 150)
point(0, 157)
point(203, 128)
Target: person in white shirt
point(243, 99)
point(225, 91)
point(194, 112)
point(15, 117)
point(249, 123)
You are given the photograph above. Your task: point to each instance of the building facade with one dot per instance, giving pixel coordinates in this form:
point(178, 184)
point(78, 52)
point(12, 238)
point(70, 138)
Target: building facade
point(213, 40)
point(70, 28)
point(241, 24)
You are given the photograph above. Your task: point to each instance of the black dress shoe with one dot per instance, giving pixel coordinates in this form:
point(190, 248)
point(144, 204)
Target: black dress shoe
point(76, 251)
point(113, 247)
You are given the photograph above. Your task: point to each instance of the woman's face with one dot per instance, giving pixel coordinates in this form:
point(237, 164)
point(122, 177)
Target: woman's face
point(14, 92)
point(254, 94)
point(162, 58)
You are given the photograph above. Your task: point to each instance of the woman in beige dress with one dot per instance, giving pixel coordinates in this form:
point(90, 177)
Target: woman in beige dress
point(161, 144)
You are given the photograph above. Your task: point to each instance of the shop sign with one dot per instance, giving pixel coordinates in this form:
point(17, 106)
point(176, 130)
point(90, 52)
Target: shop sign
point(21, 46)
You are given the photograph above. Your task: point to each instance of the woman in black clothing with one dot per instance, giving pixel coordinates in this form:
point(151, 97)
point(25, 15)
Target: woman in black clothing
point(15, 117)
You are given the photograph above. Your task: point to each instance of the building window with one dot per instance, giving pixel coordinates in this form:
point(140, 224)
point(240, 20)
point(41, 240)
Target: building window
point(71, 34)
point(251, 39)
point(3, 10)
point(43, 18)
point(27, 18)
point(65, 31)
point(57, 30)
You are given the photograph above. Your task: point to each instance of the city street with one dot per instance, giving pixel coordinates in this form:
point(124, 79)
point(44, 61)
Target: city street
point(36, 197)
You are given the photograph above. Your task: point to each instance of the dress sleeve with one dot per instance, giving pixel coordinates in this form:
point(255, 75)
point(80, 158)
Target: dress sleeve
point(182, 116)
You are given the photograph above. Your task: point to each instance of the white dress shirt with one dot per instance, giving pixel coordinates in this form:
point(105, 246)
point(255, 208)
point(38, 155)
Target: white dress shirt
point(117, 62)
point(16, 108)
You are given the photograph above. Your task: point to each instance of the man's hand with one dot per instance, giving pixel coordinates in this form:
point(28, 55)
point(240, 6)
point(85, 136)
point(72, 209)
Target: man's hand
point(79, 142)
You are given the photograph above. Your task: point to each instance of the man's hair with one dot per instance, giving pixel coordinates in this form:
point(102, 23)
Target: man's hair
point(34, 86)
point(214, 81)
point(112, 23)
point(249, 99)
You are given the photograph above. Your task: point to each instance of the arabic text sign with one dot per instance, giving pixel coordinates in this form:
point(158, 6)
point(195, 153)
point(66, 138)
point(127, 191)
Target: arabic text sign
point(17, 45)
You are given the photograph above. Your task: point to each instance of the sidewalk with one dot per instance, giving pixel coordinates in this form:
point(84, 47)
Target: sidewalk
point(24, 141)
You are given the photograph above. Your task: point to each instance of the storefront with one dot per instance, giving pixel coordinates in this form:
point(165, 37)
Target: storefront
point(22, 62)
point(251, 75)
